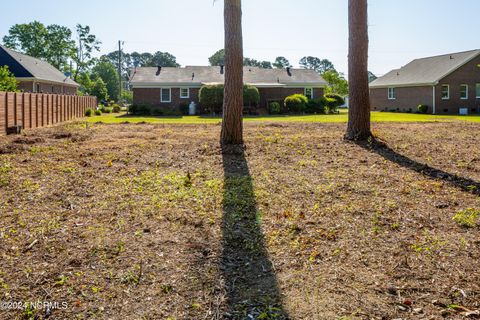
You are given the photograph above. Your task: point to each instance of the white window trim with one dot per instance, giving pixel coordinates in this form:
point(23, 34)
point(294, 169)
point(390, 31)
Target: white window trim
point(305, 92)
point(448, 91)
point(392, 93)
point(188, 93)
point(476, 91)
point(161, 95)
point(466, 86)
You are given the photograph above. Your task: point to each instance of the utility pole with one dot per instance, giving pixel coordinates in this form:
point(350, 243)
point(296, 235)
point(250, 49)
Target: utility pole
point(120, 68)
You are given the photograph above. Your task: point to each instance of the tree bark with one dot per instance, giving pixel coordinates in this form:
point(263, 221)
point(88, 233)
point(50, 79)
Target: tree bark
point(232, 124)
point(359, 109)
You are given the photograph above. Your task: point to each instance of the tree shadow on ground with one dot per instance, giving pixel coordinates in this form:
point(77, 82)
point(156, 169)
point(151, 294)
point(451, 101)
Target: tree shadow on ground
point(382, 149)
point(249, 275)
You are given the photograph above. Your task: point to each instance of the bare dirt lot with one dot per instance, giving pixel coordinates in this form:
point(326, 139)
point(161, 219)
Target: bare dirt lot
point(140, 221)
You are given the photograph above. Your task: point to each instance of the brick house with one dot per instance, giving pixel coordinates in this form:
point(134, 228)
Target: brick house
point(447, 84)
point(35, 75)
point(170, 87)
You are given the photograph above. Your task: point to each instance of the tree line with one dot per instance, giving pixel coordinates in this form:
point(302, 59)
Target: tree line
point(73, 52)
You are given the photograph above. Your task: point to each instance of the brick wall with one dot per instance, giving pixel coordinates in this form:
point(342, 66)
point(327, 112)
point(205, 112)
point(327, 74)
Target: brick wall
point(151, 96)
point(468, 74)
point(407, 99)
point(32, 110)
point(28, 86)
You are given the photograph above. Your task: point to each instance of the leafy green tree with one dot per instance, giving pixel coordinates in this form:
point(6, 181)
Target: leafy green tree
point(282, 63)
point(127, 96)
point(248, 62)
point(317, 64)
point(163, 59)
point(87, 44)
point(218, 58)
point(105, 70)
point(52, 43)
point(140, 59)
point(99, 89)
point(7, 80)
point(86, 83)
point(336, 83)
point(112, 57)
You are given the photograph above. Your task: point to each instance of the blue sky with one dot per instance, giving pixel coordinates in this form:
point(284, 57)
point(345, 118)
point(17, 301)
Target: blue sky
point(192, 30)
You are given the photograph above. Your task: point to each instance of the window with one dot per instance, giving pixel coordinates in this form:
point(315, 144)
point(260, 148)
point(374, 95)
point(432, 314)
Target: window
point(165, 95)
point(309, 93)
point(184, 93)
point(445, 92)
point(392, 95)
point(464, 92)
point(477, 89)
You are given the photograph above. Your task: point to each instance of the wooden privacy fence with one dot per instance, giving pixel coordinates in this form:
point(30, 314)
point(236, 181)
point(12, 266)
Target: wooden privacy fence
point(33, 110)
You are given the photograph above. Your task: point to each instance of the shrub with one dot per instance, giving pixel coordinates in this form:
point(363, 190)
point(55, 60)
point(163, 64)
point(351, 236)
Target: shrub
point(184, 108)
point(107, 110)
point(422, 108)
point(140, 109)
point(274, 108)
point(211, 98)
point(116, 108)
point(251, 95)
point(340, 100)
point(316, 105)
point(467, 218)
point(296, 103)
point(333, 101)
point(330, 105)
point(98, 112)
point(89, 112)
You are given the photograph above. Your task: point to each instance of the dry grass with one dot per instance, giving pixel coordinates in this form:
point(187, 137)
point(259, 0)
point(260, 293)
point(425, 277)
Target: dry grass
point(143, 221)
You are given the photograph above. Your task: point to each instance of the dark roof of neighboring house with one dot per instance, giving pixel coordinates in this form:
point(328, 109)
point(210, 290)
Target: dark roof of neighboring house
point(30, 67)
point(197, 76)
point(425, 71)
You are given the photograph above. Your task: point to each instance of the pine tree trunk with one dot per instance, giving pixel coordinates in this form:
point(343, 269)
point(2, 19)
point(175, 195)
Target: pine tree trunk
point(359, 109)
point(232, 124)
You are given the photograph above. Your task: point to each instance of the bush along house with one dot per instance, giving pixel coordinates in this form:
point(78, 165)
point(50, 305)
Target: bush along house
point(35, 75)
point(168, 89)
point(446, 84)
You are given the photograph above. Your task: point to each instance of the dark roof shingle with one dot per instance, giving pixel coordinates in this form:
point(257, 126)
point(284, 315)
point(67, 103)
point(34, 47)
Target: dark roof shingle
point(40, 69)
point(425, 71)
point(198, 75)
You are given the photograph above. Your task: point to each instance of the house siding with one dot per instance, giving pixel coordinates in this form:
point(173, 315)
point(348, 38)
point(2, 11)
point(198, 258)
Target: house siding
point(408, 98)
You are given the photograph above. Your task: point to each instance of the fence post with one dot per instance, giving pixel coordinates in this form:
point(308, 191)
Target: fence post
point(3, 109)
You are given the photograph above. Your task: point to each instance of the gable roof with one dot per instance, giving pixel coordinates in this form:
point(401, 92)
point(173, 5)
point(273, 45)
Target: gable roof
point(425, 71)
point(38, 69)
point(198, 76)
